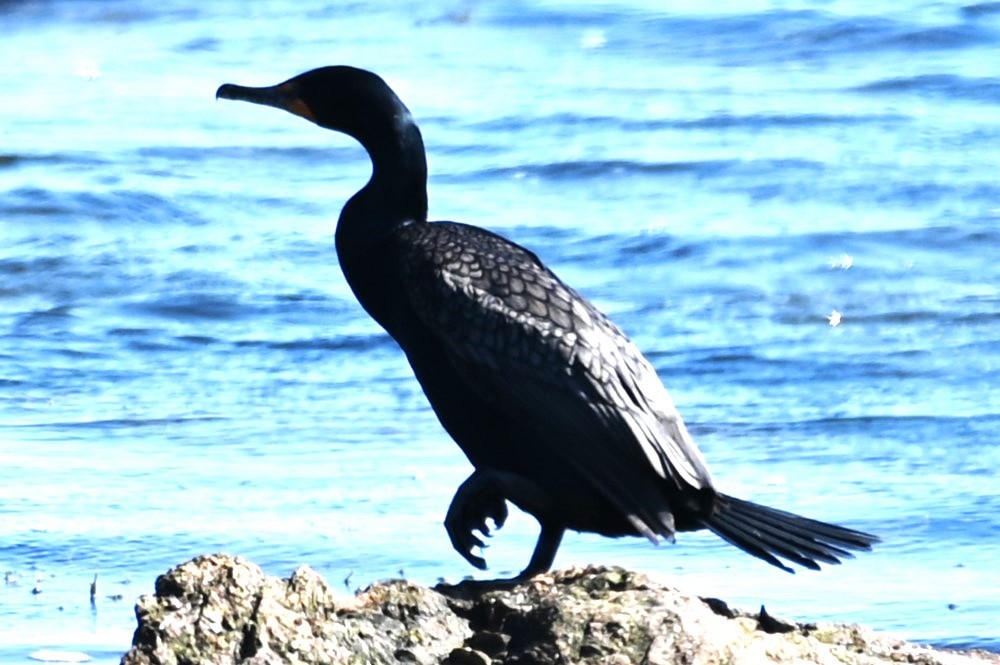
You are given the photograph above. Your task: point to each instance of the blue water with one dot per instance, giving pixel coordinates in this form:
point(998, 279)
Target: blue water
point(184, 370)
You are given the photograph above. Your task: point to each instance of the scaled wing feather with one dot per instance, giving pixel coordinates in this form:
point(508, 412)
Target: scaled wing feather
point(534, 347)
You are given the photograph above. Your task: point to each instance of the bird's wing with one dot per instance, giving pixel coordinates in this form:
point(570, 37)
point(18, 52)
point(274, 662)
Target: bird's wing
point(536, 349)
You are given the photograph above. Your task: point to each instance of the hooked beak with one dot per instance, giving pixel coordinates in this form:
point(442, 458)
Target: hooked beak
point(282, 96)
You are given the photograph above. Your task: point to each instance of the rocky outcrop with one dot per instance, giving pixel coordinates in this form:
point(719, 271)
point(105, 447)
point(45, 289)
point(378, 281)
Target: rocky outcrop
point(222, 609)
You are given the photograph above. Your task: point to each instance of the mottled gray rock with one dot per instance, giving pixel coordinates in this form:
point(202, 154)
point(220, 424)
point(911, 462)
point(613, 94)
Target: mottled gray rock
point(222, 609)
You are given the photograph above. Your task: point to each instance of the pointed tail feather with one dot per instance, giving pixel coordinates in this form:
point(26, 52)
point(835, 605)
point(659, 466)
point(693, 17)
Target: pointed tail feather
point(773, 535)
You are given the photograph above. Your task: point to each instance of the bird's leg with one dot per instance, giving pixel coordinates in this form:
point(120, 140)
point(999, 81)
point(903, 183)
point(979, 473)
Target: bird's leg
point(479, 497)
point(483, 495)
point(545, 552)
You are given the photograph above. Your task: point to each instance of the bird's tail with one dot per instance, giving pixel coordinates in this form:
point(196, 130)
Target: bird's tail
point(768, 533)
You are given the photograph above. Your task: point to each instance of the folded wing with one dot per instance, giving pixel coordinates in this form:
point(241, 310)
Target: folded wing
point(540, 352)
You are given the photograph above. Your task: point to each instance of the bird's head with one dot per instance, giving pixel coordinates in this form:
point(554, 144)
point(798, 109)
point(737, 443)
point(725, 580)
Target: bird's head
point(344, 99)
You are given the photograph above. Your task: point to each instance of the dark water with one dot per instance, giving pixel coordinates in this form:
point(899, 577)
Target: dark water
point(183, 369)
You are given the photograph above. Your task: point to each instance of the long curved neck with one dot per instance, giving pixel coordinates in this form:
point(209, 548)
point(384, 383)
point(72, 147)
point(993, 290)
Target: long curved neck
point(396, 194)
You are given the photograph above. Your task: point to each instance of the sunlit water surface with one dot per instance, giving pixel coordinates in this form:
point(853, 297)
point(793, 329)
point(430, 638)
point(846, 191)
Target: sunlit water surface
point(183, 369)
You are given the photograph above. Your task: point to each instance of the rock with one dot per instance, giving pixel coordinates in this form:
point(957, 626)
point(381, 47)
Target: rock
point(222, 609)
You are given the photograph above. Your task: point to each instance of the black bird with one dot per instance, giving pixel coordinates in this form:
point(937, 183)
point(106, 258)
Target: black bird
point(555, 407)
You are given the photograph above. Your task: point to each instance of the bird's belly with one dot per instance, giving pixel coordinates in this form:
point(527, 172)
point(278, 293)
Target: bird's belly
point(494, 438)
point(492, 441)
point(577, 505)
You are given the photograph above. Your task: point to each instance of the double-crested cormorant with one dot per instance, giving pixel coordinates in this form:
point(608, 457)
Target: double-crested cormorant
point(555, 407)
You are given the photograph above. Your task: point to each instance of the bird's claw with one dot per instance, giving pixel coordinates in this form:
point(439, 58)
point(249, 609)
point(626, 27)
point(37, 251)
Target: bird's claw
point(474, 503)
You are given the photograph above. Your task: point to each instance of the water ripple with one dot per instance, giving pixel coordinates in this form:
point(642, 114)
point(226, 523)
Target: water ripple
point(948, 85)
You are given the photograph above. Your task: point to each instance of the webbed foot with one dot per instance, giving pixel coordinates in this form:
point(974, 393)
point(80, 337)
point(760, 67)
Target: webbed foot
point(477, 499)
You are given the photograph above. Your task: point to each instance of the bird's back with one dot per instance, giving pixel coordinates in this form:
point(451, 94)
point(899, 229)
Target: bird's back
point(538, 354)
